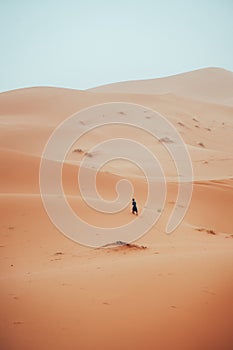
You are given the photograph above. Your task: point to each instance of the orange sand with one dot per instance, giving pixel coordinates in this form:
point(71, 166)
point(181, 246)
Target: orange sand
point(177, 293)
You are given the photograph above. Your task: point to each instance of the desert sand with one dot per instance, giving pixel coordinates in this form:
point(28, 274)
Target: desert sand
point(174, 294)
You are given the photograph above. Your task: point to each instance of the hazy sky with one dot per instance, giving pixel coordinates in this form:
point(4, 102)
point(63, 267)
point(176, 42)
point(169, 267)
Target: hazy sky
point(85, 43)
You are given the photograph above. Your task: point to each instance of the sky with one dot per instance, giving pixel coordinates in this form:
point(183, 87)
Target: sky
point(81, 44)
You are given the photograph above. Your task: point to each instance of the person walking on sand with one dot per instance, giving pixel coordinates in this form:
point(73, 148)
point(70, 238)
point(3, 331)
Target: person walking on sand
point(134, 208)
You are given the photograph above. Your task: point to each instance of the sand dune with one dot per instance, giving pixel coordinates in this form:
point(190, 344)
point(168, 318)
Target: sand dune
point(209, 84)
point(176, 293)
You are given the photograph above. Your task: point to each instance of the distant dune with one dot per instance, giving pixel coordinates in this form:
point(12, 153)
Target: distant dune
point(208, 84)
point(177, 293)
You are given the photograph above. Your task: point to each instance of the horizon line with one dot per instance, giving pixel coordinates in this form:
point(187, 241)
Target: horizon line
point(115, 82)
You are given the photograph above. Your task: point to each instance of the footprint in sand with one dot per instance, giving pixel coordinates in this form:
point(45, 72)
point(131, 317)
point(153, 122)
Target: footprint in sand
point(18, 322)
point(208, 292)
point(58, 254)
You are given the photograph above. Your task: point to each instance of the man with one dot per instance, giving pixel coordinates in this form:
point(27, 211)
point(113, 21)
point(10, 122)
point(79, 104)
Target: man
point(134, 208)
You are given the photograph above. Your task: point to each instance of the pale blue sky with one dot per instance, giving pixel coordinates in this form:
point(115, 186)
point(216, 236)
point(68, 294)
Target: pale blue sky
point(84, 43)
